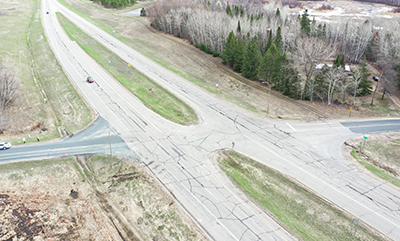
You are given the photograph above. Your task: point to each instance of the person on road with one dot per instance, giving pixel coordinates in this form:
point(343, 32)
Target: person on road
point(233, 144)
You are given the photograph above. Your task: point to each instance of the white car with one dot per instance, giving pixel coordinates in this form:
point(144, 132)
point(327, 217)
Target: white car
point(5, 145)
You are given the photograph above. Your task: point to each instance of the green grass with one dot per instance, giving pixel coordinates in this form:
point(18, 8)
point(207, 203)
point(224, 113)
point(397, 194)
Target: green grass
point(376, 170)
point(160, 100)
point(304, 213)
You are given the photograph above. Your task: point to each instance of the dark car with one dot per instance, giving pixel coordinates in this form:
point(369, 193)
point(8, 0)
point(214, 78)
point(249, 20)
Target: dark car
point(90, 79)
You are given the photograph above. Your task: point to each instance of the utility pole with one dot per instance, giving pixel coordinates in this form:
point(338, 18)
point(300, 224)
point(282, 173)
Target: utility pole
point(109, 139)
point(377, 84)
point(269, 98)
point(269, 95)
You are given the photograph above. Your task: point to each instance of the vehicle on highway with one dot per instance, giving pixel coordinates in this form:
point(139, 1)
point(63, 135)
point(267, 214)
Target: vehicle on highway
point(90, 79)
point(5, 145)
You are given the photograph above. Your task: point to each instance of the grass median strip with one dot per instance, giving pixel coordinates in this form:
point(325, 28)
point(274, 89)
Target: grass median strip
point(151, 94)
point(301, 211)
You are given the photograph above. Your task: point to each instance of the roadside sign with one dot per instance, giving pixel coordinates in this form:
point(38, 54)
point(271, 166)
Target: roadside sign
point(351, 110)
point(129, 65)
point(365, 137)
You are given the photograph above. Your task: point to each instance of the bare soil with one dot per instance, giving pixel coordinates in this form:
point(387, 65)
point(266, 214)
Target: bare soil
point(88, 198)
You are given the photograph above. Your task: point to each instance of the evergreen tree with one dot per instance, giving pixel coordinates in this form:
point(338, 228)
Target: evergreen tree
point(143, 12)
point(278, 13)
point(237, 11)
point(278, 39)
point(320, 85)
point(343, 61)
point(239, 29)
point(251, 59)
point(228, 53)
point(365, 87)
point(290, 76)
point(305, 23)
point(239, 54)
point(241, 12)
point(337, 61)
point(229, 11)
point(267, 69)
point(269, 42)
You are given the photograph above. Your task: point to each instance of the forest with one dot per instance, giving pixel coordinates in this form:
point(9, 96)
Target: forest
point(266, 43)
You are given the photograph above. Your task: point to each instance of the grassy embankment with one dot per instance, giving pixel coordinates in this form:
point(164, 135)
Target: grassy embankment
point(380, 157)
point(160, 100)
point(46, 95)
point(304, 213)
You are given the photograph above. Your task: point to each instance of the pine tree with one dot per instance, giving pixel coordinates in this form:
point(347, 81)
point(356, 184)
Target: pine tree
point(269, 66)
point(239, 54)
point(278, 39)
point(237, 11)
point(239, 29)
point(251, 59)
point(269, 42)
point(228, 53)
point(343, 61)
point(305, 23)
point(229, 11)
point(242, 12)
point(337, 61)
point(365, 86)
point(278, 13)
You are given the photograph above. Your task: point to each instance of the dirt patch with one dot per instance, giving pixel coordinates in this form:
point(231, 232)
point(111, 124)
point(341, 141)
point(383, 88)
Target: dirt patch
point(65, 199)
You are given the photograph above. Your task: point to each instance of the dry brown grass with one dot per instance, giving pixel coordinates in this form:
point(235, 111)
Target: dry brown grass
point(115, 200)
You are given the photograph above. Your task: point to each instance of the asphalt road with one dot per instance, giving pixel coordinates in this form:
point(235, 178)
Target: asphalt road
point(310, 152)
point(96, 139)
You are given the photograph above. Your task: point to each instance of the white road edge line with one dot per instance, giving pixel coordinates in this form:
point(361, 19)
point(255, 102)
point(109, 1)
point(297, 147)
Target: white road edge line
point(290, 126)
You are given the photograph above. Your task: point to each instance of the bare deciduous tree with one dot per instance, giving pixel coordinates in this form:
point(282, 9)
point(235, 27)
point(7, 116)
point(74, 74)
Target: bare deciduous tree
point(356, 79)
point(8, 87)
point(333, 76)
point(310, 52)
point(387, 82)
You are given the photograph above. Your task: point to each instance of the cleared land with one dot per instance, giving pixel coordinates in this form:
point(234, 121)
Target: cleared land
point(88, 198)
point(379, 154)
point(303, 213)
point(206, 71)
point(47, 99)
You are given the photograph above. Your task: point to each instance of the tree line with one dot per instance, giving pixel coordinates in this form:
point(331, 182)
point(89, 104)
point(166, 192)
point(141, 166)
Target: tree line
point(270, 45)
point(115, 3)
